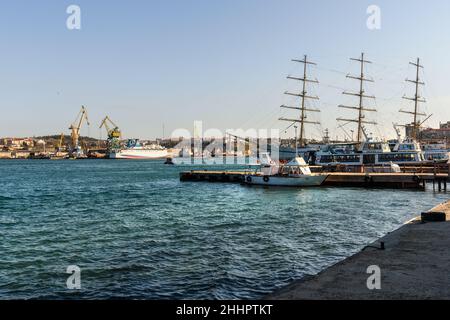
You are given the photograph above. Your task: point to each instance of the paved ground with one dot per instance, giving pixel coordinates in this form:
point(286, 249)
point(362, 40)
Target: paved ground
point(414, 265)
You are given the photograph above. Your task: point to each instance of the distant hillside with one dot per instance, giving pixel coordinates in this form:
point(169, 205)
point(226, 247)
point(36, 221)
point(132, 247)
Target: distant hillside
point(53, 140)
point(67, 138)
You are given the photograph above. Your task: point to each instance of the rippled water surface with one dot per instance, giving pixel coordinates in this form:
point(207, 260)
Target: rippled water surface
point(136, 231)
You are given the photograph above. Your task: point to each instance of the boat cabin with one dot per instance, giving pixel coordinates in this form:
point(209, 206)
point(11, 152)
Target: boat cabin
point(268, 166)
point(296, 167)
point(374, 147)
point(407, 146)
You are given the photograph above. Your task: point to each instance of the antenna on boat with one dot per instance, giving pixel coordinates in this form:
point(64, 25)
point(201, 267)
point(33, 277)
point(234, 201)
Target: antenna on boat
point(296, 142)
point(326, 137)
point(303, 95)
point(417, 98)
point(361, 94)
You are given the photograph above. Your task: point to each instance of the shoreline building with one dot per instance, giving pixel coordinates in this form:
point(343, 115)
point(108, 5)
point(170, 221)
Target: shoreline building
point(441, 134)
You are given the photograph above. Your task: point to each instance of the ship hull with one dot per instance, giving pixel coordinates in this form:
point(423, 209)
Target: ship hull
point(302, 181)
point(139, 154)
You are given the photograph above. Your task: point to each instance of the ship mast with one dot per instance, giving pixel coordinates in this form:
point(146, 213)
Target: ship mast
point(361, 94)
point(417, 98)
point(303, 95)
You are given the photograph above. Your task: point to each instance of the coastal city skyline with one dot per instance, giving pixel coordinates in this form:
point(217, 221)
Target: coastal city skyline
point(151, 64)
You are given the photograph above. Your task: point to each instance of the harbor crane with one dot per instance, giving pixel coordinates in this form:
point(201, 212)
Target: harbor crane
point(114, 133)
point(75, 130)
point(61, 142)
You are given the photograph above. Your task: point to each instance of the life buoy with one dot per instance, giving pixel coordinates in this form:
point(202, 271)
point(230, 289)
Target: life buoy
point(248, 179)
point(266, 179)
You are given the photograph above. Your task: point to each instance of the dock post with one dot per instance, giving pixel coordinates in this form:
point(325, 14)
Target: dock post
point(247, 147)
point(192, 150)
point(257, 148)
point(434, 178)
point(448, 172)
point(224, 148)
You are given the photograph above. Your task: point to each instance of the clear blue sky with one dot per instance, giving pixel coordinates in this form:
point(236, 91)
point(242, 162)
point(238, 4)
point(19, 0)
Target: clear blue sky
point(145, 63)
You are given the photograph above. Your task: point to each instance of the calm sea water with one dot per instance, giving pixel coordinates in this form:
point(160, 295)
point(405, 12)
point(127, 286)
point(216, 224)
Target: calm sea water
point(137, 232)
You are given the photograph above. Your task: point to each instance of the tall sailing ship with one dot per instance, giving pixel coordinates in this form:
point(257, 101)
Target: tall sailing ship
point(301, 148)
point(363, 151)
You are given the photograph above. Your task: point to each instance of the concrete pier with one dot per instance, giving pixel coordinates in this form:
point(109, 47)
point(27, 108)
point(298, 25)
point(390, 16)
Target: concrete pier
point(414, 264)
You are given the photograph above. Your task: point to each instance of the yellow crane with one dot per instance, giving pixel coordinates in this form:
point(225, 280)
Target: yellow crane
point(76, 127)
point(61, 141)
point(114, 131)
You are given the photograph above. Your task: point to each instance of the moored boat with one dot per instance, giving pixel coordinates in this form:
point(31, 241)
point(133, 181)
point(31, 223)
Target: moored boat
point(371, 153)
point(134, 150)
point(295, 173)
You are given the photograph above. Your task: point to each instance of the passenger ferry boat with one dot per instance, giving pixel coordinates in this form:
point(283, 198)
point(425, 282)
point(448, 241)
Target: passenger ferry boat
point(371, 153)
point(135, 150)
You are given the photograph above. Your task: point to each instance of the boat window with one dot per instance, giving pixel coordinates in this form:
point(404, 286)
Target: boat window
point(326, 159)
point(379, 146)
point(340, 158)
point(373, 146)
point(369, 159)
point(407, 147)
point(436, 156)
point(396, 157)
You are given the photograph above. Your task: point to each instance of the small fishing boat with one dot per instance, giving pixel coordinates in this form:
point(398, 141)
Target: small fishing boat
point(295, 173)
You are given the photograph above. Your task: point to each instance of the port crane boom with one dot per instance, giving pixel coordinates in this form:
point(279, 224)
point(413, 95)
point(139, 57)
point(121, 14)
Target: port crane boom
point(113, 132)
point(76, 127)
point(61, 141)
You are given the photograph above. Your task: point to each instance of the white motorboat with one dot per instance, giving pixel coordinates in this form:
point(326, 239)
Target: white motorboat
point(296, 173)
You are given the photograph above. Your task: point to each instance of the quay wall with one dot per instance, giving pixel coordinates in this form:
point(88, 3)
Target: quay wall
point(412, 262)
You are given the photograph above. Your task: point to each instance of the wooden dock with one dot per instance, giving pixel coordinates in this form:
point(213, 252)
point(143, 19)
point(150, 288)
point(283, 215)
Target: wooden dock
point(338, 179)
point(386, 180)
point(213, 176)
